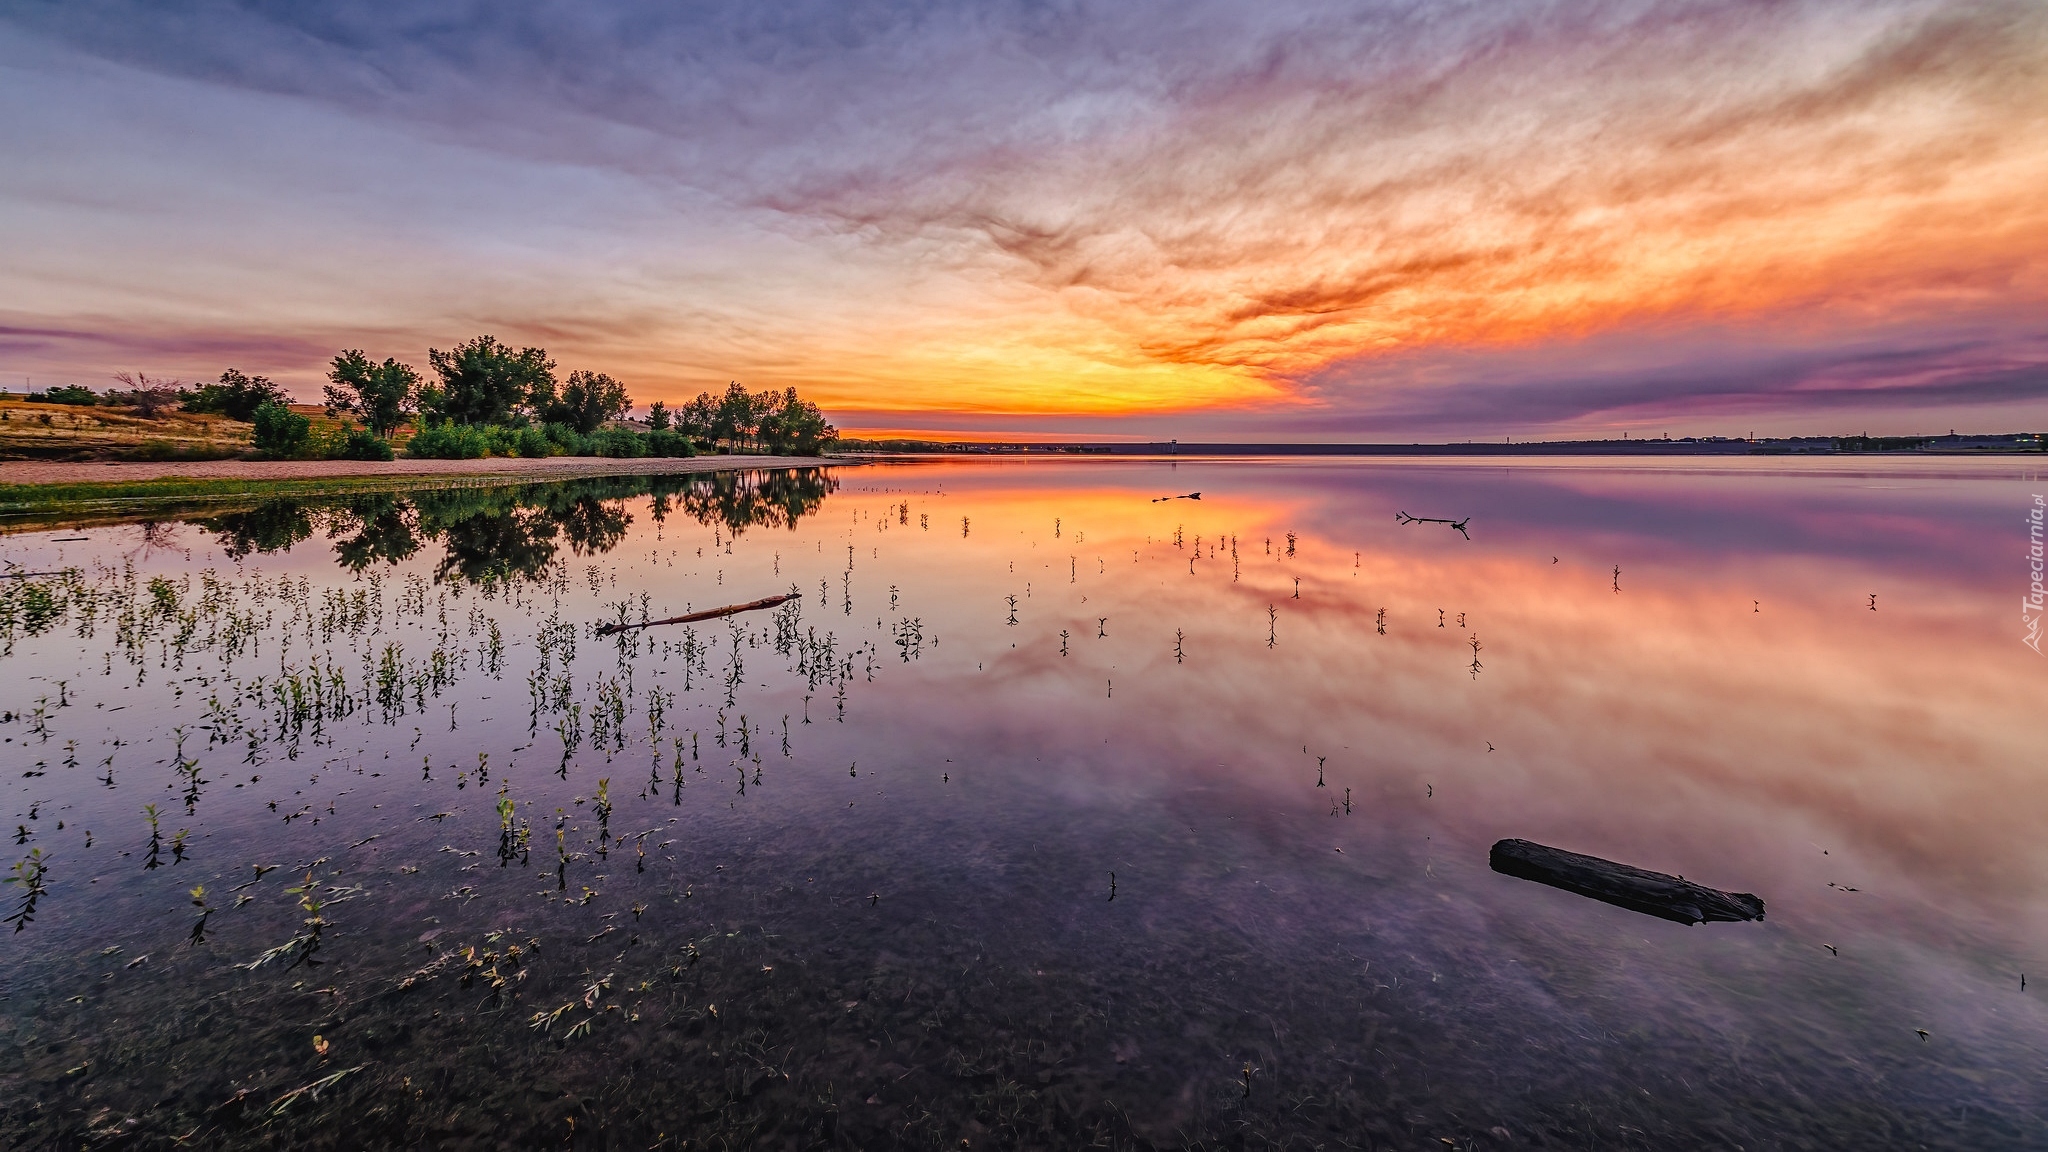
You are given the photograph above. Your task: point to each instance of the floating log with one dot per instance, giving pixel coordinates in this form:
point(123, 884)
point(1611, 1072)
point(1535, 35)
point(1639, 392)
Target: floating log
point(1637, 889)
point(707, 614)
point(1404, 518)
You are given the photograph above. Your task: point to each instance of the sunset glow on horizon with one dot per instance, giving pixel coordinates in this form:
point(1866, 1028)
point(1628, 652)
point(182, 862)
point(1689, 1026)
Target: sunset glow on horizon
point(1300, 221)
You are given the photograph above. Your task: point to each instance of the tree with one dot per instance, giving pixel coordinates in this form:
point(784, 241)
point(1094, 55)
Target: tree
point(149, 396)
point(279, 430)
point(382, 396)
point(657, 417)
point(791, 426)
point(236, 396)
point(589, 401)
point(779, 422)
point(769, 420)
point(485, 382)
point(695, 418)
point(733, 421)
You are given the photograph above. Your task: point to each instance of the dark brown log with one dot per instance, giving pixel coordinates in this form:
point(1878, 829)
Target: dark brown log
point(1637, 889)
point(707, 614)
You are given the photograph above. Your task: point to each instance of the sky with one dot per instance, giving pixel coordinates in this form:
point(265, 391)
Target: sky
point(1283, 220)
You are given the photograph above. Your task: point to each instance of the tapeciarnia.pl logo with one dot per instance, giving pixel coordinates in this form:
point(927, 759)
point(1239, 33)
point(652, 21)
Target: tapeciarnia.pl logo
point(2037, 598)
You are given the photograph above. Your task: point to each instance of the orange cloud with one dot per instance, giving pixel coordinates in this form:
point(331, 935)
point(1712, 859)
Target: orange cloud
point(1265, 216)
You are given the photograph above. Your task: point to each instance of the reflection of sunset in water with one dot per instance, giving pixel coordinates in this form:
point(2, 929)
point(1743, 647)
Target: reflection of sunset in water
point(1052, 770)
point(1723, 714)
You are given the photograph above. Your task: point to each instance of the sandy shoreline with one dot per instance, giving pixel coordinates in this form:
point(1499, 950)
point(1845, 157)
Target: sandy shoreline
point(550, 468)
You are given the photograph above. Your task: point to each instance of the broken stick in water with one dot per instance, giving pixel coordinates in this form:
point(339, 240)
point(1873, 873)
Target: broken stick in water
point(1404, 518)
point(707, 614)
point(1637, 889)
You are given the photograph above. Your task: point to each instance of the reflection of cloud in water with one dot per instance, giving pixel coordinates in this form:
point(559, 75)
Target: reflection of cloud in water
point(1671, 725)
point(915, 885)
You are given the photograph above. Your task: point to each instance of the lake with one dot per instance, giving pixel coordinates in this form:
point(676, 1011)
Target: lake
point(1056, 808)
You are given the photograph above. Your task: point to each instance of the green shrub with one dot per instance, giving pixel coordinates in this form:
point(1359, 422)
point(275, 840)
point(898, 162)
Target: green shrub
point(429, 442)
point(532, 442)
point(363, 444)
point(453, 442)
point(280, 431)
point(616, 442)
point(568, 441)
point(663, 442)
point(473, 441)
point(67, 394)
point(449, 441)
point(470, 441)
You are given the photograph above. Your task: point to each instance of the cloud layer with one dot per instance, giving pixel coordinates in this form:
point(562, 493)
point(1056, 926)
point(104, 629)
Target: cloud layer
point(1301, 219)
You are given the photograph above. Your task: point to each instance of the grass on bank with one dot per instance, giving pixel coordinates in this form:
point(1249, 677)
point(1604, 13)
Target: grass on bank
point(37, 430)
point(32, 430)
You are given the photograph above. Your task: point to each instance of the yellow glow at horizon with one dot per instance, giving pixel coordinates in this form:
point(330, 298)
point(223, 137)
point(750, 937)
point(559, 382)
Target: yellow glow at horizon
point(1799, 250)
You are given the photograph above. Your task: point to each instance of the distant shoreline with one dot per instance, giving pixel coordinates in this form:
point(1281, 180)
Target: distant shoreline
point(1997, 444)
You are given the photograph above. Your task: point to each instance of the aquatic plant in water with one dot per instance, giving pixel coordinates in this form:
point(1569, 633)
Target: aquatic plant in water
point(29, 873)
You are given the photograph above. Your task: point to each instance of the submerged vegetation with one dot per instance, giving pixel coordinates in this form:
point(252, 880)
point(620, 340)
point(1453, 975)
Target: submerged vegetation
point(294, 678)
point(284, 675)
point(312, 701)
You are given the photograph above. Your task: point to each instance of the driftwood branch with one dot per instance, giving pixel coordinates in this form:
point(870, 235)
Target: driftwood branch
point(707, 614)
point(1404, 518)
point(1637, 889)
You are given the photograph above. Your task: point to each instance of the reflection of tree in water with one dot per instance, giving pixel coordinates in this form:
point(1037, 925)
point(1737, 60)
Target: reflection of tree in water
point(511, 532)
point(739, 500)
point(155, 536)
point(367, 529)
point(592, 519)
point(489, 547)
point(272, 526)
point(489, 534)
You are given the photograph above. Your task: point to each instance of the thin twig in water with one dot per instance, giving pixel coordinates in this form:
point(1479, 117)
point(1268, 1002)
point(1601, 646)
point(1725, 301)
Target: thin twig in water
point(311, 1091)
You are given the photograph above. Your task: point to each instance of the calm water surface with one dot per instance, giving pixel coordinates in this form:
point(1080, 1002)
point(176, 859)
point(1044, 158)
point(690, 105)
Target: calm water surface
point(1048, 814)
